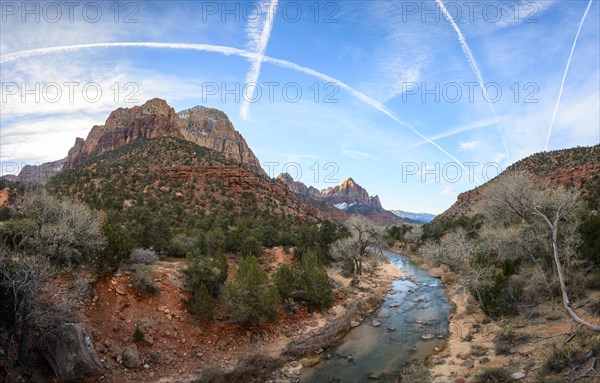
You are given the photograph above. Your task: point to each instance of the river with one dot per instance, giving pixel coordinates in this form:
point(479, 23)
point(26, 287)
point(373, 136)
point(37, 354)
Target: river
point(393, 336)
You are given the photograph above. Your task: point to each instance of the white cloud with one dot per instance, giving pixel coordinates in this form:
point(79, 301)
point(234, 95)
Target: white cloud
point(449, 191)
point(45, 139)
point(468, 145)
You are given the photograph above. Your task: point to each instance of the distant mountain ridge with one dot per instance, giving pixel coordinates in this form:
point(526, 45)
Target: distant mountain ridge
point(37, 172)
point(415, 217)
point(577, 167)
point(349, 197)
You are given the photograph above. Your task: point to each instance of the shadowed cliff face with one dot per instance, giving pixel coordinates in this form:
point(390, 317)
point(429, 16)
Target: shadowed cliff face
point(207, 127)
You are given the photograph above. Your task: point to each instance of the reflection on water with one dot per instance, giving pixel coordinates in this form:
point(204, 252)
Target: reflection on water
point(412, 322)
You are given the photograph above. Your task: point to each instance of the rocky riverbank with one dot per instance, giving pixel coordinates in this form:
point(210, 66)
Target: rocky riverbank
point(518, 345)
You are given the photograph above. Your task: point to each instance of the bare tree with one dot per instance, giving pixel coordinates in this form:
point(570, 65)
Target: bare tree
point(30, 295)
point(63, 224)
point(454, 249)
point(365, 240)
point(516, 195)
point(413, 237)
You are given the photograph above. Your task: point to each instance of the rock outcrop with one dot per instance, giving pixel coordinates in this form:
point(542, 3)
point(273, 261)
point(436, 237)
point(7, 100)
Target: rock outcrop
point(207, 127)
point(131, 357)
point(299, 187)
point(211, 128)
point(71, 354)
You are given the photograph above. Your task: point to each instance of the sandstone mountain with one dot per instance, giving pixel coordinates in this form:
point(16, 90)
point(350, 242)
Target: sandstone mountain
point(206, 127)
point(577, 167)
point(350, 192)
point(349, 197)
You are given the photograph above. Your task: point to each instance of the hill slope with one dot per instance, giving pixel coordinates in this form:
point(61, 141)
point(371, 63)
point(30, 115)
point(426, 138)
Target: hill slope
point(578, 167)
point(153, 186)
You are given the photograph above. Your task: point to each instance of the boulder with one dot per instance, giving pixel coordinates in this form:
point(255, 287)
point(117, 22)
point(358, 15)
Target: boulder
point(448, 277)
point(131, 357)
point(518, 375)
point(71, 354)
point(436, 272)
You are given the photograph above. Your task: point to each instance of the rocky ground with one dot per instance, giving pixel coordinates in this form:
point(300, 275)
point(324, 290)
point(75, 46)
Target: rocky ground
point(179, 347)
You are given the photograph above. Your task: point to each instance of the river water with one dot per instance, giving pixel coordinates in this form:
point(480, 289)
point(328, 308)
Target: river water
point(393, 336)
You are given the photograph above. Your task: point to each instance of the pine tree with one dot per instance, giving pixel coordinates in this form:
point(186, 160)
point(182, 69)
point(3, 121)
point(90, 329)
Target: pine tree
point(253, 299)
point(202, 302)
point(285, 281)
point(315, 285)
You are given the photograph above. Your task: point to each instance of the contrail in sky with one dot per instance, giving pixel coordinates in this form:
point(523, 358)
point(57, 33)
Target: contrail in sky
point(562, 84)
point(258, 43)
point(230, 51)
point(474, 67)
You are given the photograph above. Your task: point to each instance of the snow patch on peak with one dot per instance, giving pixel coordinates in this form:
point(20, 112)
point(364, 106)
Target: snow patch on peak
point(341, 206)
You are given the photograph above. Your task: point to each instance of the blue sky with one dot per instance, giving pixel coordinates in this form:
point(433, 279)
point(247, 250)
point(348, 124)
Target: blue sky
point(387, 92)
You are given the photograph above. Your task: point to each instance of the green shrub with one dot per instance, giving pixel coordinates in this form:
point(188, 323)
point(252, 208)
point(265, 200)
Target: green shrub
point(493, 375)
point(478, 351)
point(208, 271)
point(182, 245)
point(559, 358)
point(253, 300)
point(593, 280)
point(501, 299)
point(202, 302)
point(285, 281)
point(508, 267)
point(138, 335)
point(142, 280)
point(250, 246)
point(544, 378)
point(589, 248)
point(306, 280)
point(507, 339)
point(314, 282)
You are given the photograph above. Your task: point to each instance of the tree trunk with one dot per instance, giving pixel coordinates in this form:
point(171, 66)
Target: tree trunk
point(563, 288)
point(10, 337)
point(480, 299)
point(24, 357)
